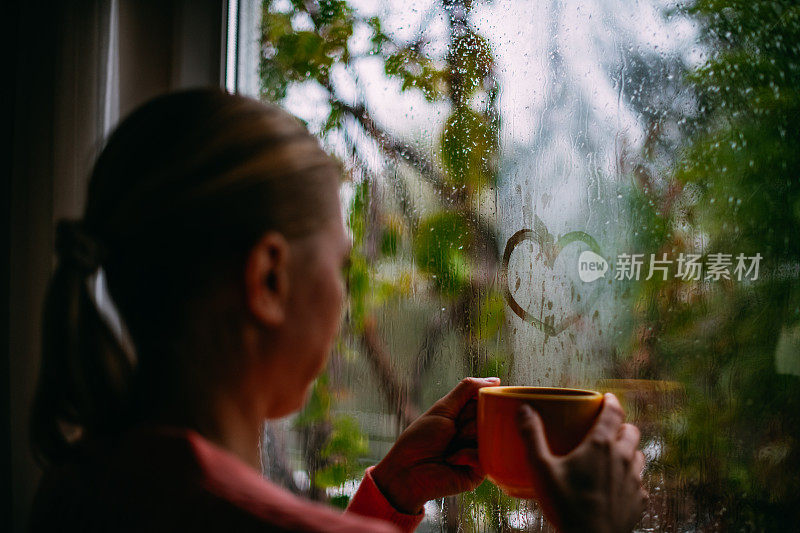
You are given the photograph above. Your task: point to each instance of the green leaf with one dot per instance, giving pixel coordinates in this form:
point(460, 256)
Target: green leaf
point(318, 406)
point(416, 72)
point(340, 501)
point(330, 10)
point(440, 248)
point(390, 240)
point(488, 319)
point(346, 445)
point(303, 55)
point(468, 149)
point(378, 38)
point(471, 62)
point(357, 217)
point(359, 282)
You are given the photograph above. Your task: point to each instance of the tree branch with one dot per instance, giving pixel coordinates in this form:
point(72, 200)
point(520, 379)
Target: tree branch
point(396, 394)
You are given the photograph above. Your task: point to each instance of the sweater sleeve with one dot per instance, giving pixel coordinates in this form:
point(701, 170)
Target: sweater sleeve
point(369, 501)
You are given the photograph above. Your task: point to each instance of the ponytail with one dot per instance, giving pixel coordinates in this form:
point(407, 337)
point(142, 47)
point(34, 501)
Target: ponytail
point(83, 394)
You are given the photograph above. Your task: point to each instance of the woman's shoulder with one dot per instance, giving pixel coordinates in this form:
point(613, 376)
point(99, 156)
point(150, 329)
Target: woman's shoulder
point(225, 477)
point(173, 478)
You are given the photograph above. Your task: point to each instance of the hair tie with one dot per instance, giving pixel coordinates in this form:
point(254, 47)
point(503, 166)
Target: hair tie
point(76, 246)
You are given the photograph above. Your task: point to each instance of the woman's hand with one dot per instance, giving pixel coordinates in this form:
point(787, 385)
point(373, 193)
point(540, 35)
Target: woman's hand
point(437, 455)
point(596, 487)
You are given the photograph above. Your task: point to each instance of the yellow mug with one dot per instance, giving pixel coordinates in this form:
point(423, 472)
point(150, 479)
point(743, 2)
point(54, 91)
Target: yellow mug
point(568, 414)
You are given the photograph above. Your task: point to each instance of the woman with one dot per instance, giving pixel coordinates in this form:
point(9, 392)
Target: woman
point(214, 223)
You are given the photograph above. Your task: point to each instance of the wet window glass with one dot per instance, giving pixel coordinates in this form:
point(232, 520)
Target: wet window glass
point(594, 194)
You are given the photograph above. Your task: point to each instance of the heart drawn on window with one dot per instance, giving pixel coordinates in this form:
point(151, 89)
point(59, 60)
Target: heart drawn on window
point(549, 250)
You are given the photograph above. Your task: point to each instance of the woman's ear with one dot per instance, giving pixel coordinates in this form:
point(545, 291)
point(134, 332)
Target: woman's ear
point(267, 278)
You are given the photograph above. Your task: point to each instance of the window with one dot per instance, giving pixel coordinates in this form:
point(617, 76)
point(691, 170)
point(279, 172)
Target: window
point(592, 193)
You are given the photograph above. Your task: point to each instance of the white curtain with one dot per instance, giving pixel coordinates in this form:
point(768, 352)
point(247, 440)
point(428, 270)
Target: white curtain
point(248, 47)
point(87, 97)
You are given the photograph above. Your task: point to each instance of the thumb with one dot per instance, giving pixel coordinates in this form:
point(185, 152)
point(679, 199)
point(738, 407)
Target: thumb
point(531, 429)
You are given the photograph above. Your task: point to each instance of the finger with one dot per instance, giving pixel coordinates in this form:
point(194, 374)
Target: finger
point(531, 428)
point(628, 440)
point(450, 406)
point(608, 422)
point(465, 457)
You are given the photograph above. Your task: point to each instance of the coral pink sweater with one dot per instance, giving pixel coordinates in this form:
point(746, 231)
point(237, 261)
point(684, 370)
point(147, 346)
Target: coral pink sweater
point(171, 479)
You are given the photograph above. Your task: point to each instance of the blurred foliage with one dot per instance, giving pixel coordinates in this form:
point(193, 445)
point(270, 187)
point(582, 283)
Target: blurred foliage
point(344, 449)
point(294, 55)
point(468, 149)
point(500, 504)
point(344, 445)
point(439, 250)
point(735, 446)
point(318, 405)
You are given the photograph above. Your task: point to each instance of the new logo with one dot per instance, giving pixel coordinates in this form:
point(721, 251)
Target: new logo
point(591, 266)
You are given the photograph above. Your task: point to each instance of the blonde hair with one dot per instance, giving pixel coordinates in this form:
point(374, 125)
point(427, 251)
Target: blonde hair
point(182, 190)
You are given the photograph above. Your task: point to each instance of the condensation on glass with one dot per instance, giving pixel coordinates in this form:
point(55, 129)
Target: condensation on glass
point(597, 194)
